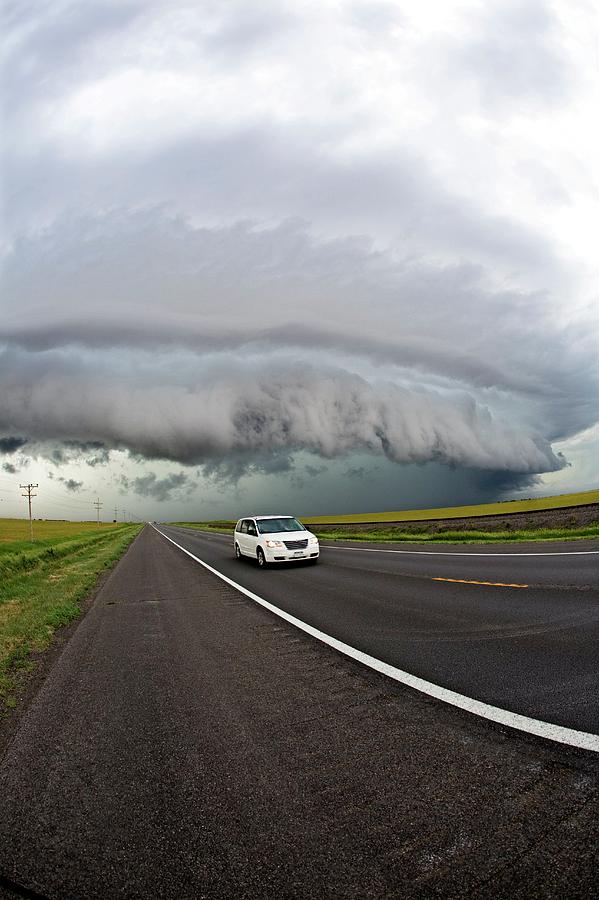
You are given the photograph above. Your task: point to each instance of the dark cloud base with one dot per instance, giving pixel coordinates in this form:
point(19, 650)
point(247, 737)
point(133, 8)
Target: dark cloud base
point(11, 444)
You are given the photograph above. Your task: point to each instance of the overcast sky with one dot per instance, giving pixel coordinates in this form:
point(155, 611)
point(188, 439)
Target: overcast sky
point(306, 257)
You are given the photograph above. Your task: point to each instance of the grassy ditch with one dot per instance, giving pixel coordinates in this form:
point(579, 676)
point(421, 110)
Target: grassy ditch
point(424, 535)
point(42, 584)
point(396, 535)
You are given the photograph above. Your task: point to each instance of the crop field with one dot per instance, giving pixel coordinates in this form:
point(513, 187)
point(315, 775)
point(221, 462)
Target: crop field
point(45, 531)
point(508, 507)
point(42, 583)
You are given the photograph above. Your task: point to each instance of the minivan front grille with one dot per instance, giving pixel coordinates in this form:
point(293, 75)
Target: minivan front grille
point(296, 545)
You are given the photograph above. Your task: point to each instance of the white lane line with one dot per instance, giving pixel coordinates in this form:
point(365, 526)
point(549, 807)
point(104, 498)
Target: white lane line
point(582, 739)
point(461, 553)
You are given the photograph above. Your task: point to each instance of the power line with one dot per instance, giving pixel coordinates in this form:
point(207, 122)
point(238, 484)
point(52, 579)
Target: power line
point(52, 493)
point(29, 488)
point(77, 509)
point(55, 497)
point(67, 502)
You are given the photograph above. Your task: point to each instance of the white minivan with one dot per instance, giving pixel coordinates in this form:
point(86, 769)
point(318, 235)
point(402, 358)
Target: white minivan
point(271, 539)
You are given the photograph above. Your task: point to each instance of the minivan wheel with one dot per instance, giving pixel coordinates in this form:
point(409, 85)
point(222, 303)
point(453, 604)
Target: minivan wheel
point(237, 552)
point(261, 558)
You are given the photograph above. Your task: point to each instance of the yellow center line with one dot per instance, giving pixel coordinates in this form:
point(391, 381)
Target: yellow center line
point(488, 583)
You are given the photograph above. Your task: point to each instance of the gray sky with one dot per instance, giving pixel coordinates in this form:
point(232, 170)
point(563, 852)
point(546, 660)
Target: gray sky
point(318, 257)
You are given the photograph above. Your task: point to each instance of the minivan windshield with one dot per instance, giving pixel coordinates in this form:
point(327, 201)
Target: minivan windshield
point(274, 526)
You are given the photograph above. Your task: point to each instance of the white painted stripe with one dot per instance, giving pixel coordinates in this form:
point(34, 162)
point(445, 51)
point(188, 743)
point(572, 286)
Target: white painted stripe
point(582, 739)
point(460, 553)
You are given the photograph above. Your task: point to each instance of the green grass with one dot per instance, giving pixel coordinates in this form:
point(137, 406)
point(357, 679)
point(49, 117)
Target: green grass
point(42, 584)
point(463, 537)
point(16, 531)
point(462, 512)
point(221, 526)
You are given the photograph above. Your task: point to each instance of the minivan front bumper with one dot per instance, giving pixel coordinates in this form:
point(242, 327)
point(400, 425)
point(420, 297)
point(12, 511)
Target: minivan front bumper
point(280, 554)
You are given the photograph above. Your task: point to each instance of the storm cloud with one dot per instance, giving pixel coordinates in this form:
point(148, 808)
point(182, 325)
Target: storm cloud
point(310, 242)
point(159, 489)
point(11, 444)
point(72, 485)
point(391, 356)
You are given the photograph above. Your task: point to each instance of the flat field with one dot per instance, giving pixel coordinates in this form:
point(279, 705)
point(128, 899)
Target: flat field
point(45, 531)
point(507, 507)
point(42, 584)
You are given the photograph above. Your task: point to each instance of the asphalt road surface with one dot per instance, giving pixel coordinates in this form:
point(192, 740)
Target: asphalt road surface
point(531, 649)
point(189, 744)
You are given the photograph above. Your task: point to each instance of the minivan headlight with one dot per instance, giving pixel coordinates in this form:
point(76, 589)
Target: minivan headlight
point(313, 540)
point(270, 543)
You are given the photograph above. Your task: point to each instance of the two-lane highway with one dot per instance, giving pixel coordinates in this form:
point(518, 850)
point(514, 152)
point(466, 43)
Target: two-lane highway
point(189, 743)
point(516, 627)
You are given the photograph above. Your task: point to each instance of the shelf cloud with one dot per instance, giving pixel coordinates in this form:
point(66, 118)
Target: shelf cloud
point(147, 280)
point(260, 408)
point(326, 346)
point(309, 242)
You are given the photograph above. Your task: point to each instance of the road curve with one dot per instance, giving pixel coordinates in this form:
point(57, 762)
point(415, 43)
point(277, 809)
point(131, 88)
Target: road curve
point(451, 616)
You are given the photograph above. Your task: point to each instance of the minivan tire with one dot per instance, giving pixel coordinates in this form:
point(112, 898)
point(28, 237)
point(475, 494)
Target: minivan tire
point(261, 558)
point(237, 552)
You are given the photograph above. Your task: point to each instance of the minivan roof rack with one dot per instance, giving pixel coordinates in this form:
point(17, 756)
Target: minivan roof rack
point(271, 516)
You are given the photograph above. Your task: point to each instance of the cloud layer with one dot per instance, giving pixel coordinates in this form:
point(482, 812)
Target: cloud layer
point(256, 409)
point(246, 340)
point(245, 233)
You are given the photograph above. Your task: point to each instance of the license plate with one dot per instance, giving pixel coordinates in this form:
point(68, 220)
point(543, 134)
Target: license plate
point(299, 553)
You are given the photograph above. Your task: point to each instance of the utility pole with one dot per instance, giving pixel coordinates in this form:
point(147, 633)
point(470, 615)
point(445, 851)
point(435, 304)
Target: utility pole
point(124, 511)
point(115, 514)
point(29, 488)
point(98, 506)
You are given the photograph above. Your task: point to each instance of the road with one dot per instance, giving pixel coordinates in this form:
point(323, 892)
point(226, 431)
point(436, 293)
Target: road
point(530, 649)
point(189, 743)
